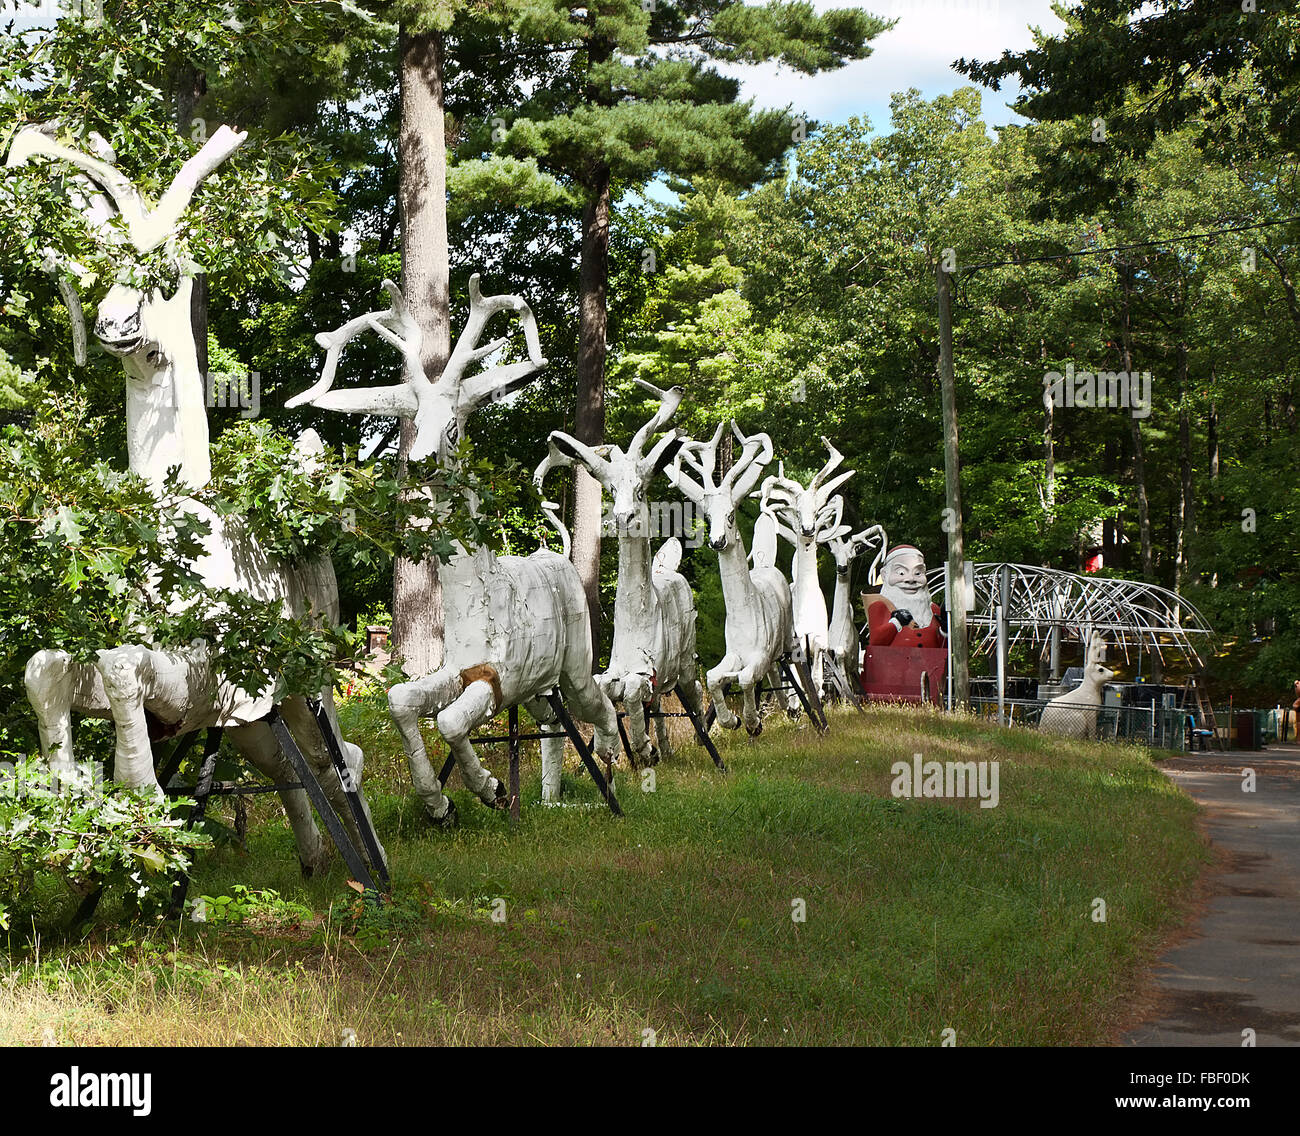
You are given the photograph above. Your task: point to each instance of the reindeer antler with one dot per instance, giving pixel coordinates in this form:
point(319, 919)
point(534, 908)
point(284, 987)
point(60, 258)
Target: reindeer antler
point(756, 452)
point(496, 382)
point(428, 403)
point(819, 484)
point(147, 228)
point(702, 457)
point(551, 508)
point(398, 327)
point(669, 401)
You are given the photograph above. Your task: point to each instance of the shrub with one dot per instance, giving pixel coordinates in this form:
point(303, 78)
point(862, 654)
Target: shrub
point(80, 834)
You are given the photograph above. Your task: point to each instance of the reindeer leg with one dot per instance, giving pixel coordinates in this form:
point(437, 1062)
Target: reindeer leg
point(716, 680)
point(661, 728)
point(748, 680)
point(259, 748)
point(636, 692)
point(552, 749)
point(408, 702)
point(475, 706)
point(49, 683)
point(133, 674)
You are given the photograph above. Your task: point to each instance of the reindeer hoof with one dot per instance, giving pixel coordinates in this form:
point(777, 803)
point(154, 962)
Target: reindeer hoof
point(754, 731)
point(447, 820)
point(502, 800)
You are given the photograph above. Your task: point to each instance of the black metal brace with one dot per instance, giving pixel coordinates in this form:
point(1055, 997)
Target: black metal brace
point(584, 752)
point(807, 695)
point(333, 825)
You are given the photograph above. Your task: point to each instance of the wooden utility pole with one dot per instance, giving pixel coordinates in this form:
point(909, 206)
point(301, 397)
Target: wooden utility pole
point(952, 515)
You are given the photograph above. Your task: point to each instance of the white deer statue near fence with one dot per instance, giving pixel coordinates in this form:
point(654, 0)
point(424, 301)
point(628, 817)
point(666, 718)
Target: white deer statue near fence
point(1075, 713)
point(515, 627)
point(653, 653)
point(135, 684)
point(758, 622)
point(807, 517)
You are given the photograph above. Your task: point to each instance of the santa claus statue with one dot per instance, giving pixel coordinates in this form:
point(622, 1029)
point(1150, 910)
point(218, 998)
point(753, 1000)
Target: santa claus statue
point(902, 614)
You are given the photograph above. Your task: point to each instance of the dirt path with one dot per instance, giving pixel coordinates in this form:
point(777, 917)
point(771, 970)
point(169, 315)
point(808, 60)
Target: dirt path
point(1239, 969)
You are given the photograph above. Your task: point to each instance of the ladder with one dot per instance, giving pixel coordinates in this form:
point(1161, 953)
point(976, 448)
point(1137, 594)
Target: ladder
point(1204, 709)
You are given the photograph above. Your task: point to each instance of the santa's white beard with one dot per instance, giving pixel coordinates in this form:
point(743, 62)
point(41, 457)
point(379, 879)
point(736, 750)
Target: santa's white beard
point(918, 604)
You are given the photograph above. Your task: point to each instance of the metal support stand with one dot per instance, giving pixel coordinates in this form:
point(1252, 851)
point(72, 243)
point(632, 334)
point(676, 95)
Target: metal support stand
point(584, 752)
point(845, 690)
point(701, 731)
point(514, 737)
point(351, 790)
point(808, 698)
point(202, 790)
point(333, 824)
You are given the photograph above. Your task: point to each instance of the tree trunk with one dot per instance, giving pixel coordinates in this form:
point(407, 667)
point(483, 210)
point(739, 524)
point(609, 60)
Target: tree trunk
point(1186, 507)
point(191, 84)
point(1139, 461)
point(589, 418)
point(426, 272)
point(1049, 450)
point(1212, 445)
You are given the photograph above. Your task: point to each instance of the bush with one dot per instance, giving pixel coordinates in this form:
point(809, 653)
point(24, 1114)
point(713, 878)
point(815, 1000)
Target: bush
point(80, 834)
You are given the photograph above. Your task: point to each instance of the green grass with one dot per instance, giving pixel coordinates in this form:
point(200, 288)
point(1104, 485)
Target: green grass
point(922, 915)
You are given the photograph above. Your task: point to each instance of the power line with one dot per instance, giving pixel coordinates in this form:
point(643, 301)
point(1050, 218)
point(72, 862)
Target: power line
point(1125, 248)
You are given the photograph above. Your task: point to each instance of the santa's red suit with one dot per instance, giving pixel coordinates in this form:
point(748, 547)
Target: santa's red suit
point(884, 630)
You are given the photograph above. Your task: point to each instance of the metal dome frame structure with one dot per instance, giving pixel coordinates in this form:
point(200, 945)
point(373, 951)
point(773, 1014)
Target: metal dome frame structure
point(1012, 603)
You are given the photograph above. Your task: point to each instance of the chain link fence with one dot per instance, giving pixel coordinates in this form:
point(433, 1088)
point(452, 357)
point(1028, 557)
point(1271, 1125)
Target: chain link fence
point(1154, 726)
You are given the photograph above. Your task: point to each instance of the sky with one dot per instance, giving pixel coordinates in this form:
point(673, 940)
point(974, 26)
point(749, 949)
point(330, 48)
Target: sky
point(917, 52)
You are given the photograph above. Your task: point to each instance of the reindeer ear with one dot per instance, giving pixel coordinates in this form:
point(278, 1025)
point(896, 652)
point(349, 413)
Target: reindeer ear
point(763, 552)
point(565, 446)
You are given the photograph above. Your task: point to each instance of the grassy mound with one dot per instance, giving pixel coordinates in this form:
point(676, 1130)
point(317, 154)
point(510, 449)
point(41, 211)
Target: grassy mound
point(676, 924)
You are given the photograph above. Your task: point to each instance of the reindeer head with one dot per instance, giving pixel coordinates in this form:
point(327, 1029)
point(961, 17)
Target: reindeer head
point(717, 499)
point(1095, 671)
point(440, 408)
point(148, 332)
point(807, 515)
point(846, 550)
point(626, 476)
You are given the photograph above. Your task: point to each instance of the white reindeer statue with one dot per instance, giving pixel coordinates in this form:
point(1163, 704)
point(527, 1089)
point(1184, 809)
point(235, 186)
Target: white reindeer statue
point(515, 627)
point(167, 426)
point(654, 612)
point(759, 618)
point(1074, 714)
point(845, 648)
point(807, 517)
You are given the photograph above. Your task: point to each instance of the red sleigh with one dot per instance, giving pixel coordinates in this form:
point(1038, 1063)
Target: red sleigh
point(900, 674)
